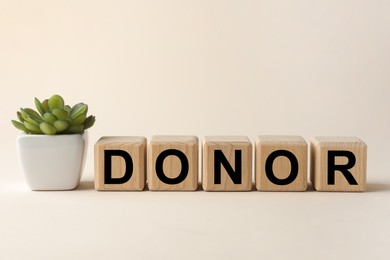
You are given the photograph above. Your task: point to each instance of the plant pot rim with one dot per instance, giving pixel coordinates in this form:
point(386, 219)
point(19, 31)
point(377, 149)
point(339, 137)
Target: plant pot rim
point(50, 136)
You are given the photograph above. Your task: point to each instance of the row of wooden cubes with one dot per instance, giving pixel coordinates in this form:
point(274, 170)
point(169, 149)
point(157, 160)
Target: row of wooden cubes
point(171, 163)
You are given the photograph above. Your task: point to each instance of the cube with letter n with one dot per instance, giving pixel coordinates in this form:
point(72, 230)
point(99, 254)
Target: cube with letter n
point(227, 163)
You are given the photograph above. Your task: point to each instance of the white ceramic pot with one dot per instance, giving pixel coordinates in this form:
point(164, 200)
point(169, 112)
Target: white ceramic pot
point(52, 162)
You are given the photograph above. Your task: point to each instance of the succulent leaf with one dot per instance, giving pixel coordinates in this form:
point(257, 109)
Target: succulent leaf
point(61, 125)
point(45, 105)
point(47, 128)
point(31, 121)
point(68, 119)
point(19, 126)
point(56, 101)
point(78, 109)
point(59, 113)
point(39, 106)
point(19, 115)
point(76, 129)
point(89, 122)
point(32, 128)
point(79, 120)
point(23, 114)
point(28, 112)
point(67, 108)
point(49, 118)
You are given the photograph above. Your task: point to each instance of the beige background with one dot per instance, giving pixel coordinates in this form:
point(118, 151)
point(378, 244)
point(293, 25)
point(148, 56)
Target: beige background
point(199, 67)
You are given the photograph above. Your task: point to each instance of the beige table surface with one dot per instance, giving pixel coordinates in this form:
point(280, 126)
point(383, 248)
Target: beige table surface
point(86, 224)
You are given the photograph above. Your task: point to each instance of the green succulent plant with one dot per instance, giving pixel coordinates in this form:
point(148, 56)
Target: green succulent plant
point(53, 117)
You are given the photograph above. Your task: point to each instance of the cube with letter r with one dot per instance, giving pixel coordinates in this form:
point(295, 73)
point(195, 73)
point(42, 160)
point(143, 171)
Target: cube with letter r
point(338, 164)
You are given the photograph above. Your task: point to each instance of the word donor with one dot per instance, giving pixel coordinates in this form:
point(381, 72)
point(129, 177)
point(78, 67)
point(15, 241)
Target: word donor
point(170, 163)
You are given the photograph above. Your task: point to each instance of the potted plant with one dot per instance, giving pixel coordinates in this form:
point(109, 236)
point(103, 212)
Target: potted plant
point(53, 147)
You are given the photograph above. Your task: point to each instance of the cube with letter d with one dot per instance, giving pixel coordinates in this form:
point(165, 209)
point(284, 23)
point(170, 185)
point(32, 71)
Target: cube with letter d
point(120, 163)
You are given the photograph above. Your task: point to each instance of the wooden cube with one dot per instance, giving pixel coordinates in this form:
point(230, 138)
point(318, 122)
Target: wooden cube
point(338, 163)
point(281, 163)
point(227, 163)
point(173, 163)
point(120, 163)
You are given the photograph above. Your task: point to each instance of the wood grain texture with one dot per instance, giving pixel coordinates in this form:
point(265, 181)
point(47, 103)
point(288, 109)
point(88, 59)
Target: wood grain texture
point(319, 147)
point(228, 145)
point(136, 147)
point(172, 165)
point(265, 145)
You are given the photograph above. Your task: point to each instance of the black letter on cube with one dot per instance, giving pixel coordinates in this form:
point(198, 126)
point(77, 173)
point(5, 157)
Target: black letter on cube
point(108, 179)
point(332, 167)
point(235, 175)
point(270, 173)
point(160, 171)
